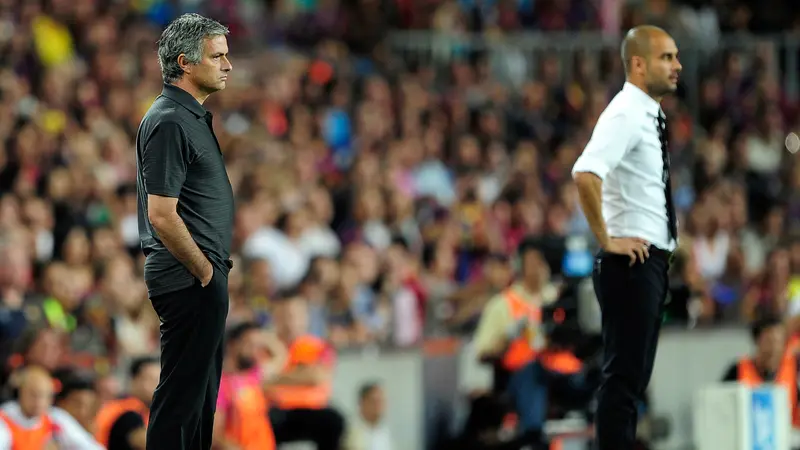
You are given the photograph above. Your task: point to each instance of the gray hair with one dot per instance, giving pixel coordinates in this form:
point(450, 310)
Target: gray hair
point(186, 35)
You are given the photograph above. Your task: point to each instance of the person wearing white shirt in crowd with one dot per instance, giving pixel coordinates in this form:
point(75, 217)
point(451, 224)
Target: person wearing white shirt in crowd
point(32, 421)
point(369, 431)
point(623, 181)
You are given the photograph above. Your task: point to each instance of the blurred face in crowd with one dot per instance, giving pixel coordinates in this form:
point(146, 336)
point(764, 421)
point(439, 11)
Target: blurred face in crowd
point(145, 382)
point(107, 388)
point(35, 392)
point(260, 278)
point(328, 271)
point(76, 247)
point(291, 318)
point(60, 284)
point(82, 405)
point(498, 272)
point(15, 268)
point(534, 269)
point(245, 349)
point(211, 73)
point(46, 350)
point(771, 344)
point(373, 405)
point(364, 259)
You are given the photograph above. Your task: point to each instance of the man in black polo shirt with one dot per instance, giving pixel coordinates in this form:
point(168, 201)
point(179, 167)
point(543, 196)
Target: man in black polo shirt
point(185, 227)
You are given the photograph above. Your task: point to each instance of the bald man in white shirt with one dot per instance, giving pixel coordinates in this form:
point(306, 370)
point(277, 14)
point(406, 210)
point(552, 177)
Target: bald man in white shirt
point(623, 179)
point(32, 421)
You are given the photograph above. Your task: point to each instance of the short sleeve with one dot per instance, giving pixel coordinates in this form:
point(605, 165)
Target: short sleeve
point(491, 327)
point(612, 138)
point(165, 158)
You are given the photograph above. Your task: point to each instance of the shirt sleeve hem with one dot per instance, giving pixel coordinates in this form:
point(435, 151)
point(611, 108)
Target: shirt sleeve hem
point(163, 193)
point(601, 172)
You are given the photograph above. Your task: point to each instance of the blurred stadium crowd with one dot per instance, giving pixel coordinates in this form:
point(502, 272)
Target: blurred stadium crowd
point(388, 191)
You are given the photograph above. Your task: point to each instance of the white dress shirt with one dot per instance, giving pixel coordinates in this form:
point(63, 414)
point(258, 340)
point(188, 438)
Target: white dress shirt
point(363, 436)
point(71, 435)
point(625, 152)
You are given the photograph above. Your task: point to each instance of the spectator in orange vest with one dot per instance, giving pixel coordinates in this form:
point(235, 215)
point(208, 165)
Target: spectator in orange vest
point(771, 363)
point(32, 423)
point(122, 423)
point(78, 397)
point(509, 334)
point(300, 394)
point(241, 421)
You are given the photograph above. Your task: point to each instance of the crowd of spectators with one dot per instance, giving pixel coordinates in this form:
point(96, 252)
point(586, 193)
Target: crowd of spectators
point(388, 194)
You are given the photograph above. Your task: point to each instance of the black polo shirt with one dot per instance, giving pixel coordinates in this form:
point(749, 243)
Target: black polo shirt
point(177, 155)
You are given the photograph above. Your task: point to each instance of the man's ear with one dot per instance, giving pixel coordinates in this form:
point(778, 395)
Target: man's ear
point(184, 63)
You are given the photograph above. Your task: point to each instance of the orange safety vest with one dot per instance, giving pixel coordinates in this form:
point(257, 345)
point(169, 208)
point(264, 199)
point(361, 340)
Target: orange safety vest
point(305, 350)
point(562, 362)
point(246, 423)
point(786, 377)
point(794, 344)
point(112, 411)
point(520, 351)
point(29, 438)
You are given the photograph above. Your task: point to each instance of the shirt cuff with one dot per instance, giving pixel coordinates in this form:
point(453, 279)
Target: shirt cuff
point(591, 165)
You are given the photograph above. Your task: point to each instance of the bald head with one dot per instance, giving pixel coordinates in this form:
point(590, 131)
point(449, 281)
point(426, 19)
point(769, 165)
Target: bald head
point(639, 42)
point(651, 61)
point(35, 391)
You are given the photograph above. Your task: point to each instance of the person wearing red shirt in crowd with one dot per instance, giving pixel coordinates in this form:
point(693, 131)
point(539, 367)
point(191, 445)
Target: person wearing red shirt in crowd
point(241, 421)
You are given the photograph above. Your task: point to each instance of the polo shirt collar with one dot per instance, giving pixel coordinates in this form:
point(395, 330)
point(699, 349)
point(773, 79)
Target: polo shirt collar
point(650, 105)
point(183, 98)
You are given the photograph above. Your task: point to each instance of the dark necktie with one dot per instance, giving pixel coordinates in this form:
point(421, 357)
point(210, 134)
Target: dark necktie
point(663, 133)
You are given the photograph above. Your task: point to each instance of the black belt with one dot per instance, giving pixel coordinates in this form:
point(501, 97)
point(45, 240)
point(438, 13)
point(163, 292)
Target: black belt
point(666, 255)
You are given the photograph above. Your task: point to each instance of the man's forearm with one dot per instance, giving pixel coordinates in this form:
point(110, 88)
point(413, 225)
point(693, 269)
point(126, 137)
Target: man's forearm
point(590, 188)
point(176, 237)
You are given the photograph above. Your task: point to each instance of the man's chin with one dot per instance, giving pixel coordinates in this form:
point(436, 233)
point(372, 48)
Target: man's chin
point(668, 89)
point(218, 86)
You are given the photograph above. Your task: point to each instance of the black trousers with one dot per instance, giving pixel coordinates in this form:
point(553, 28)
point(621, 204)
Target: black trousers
point(192, 328)
point(323, 427)
point(631, 301)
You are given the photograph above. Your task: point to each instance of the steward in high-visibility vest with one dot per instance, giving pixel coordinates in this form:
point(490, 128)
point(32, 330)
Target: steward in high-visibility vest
point(299, 394)
point(122, 423)
point(774, 361)
point(509, 335)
